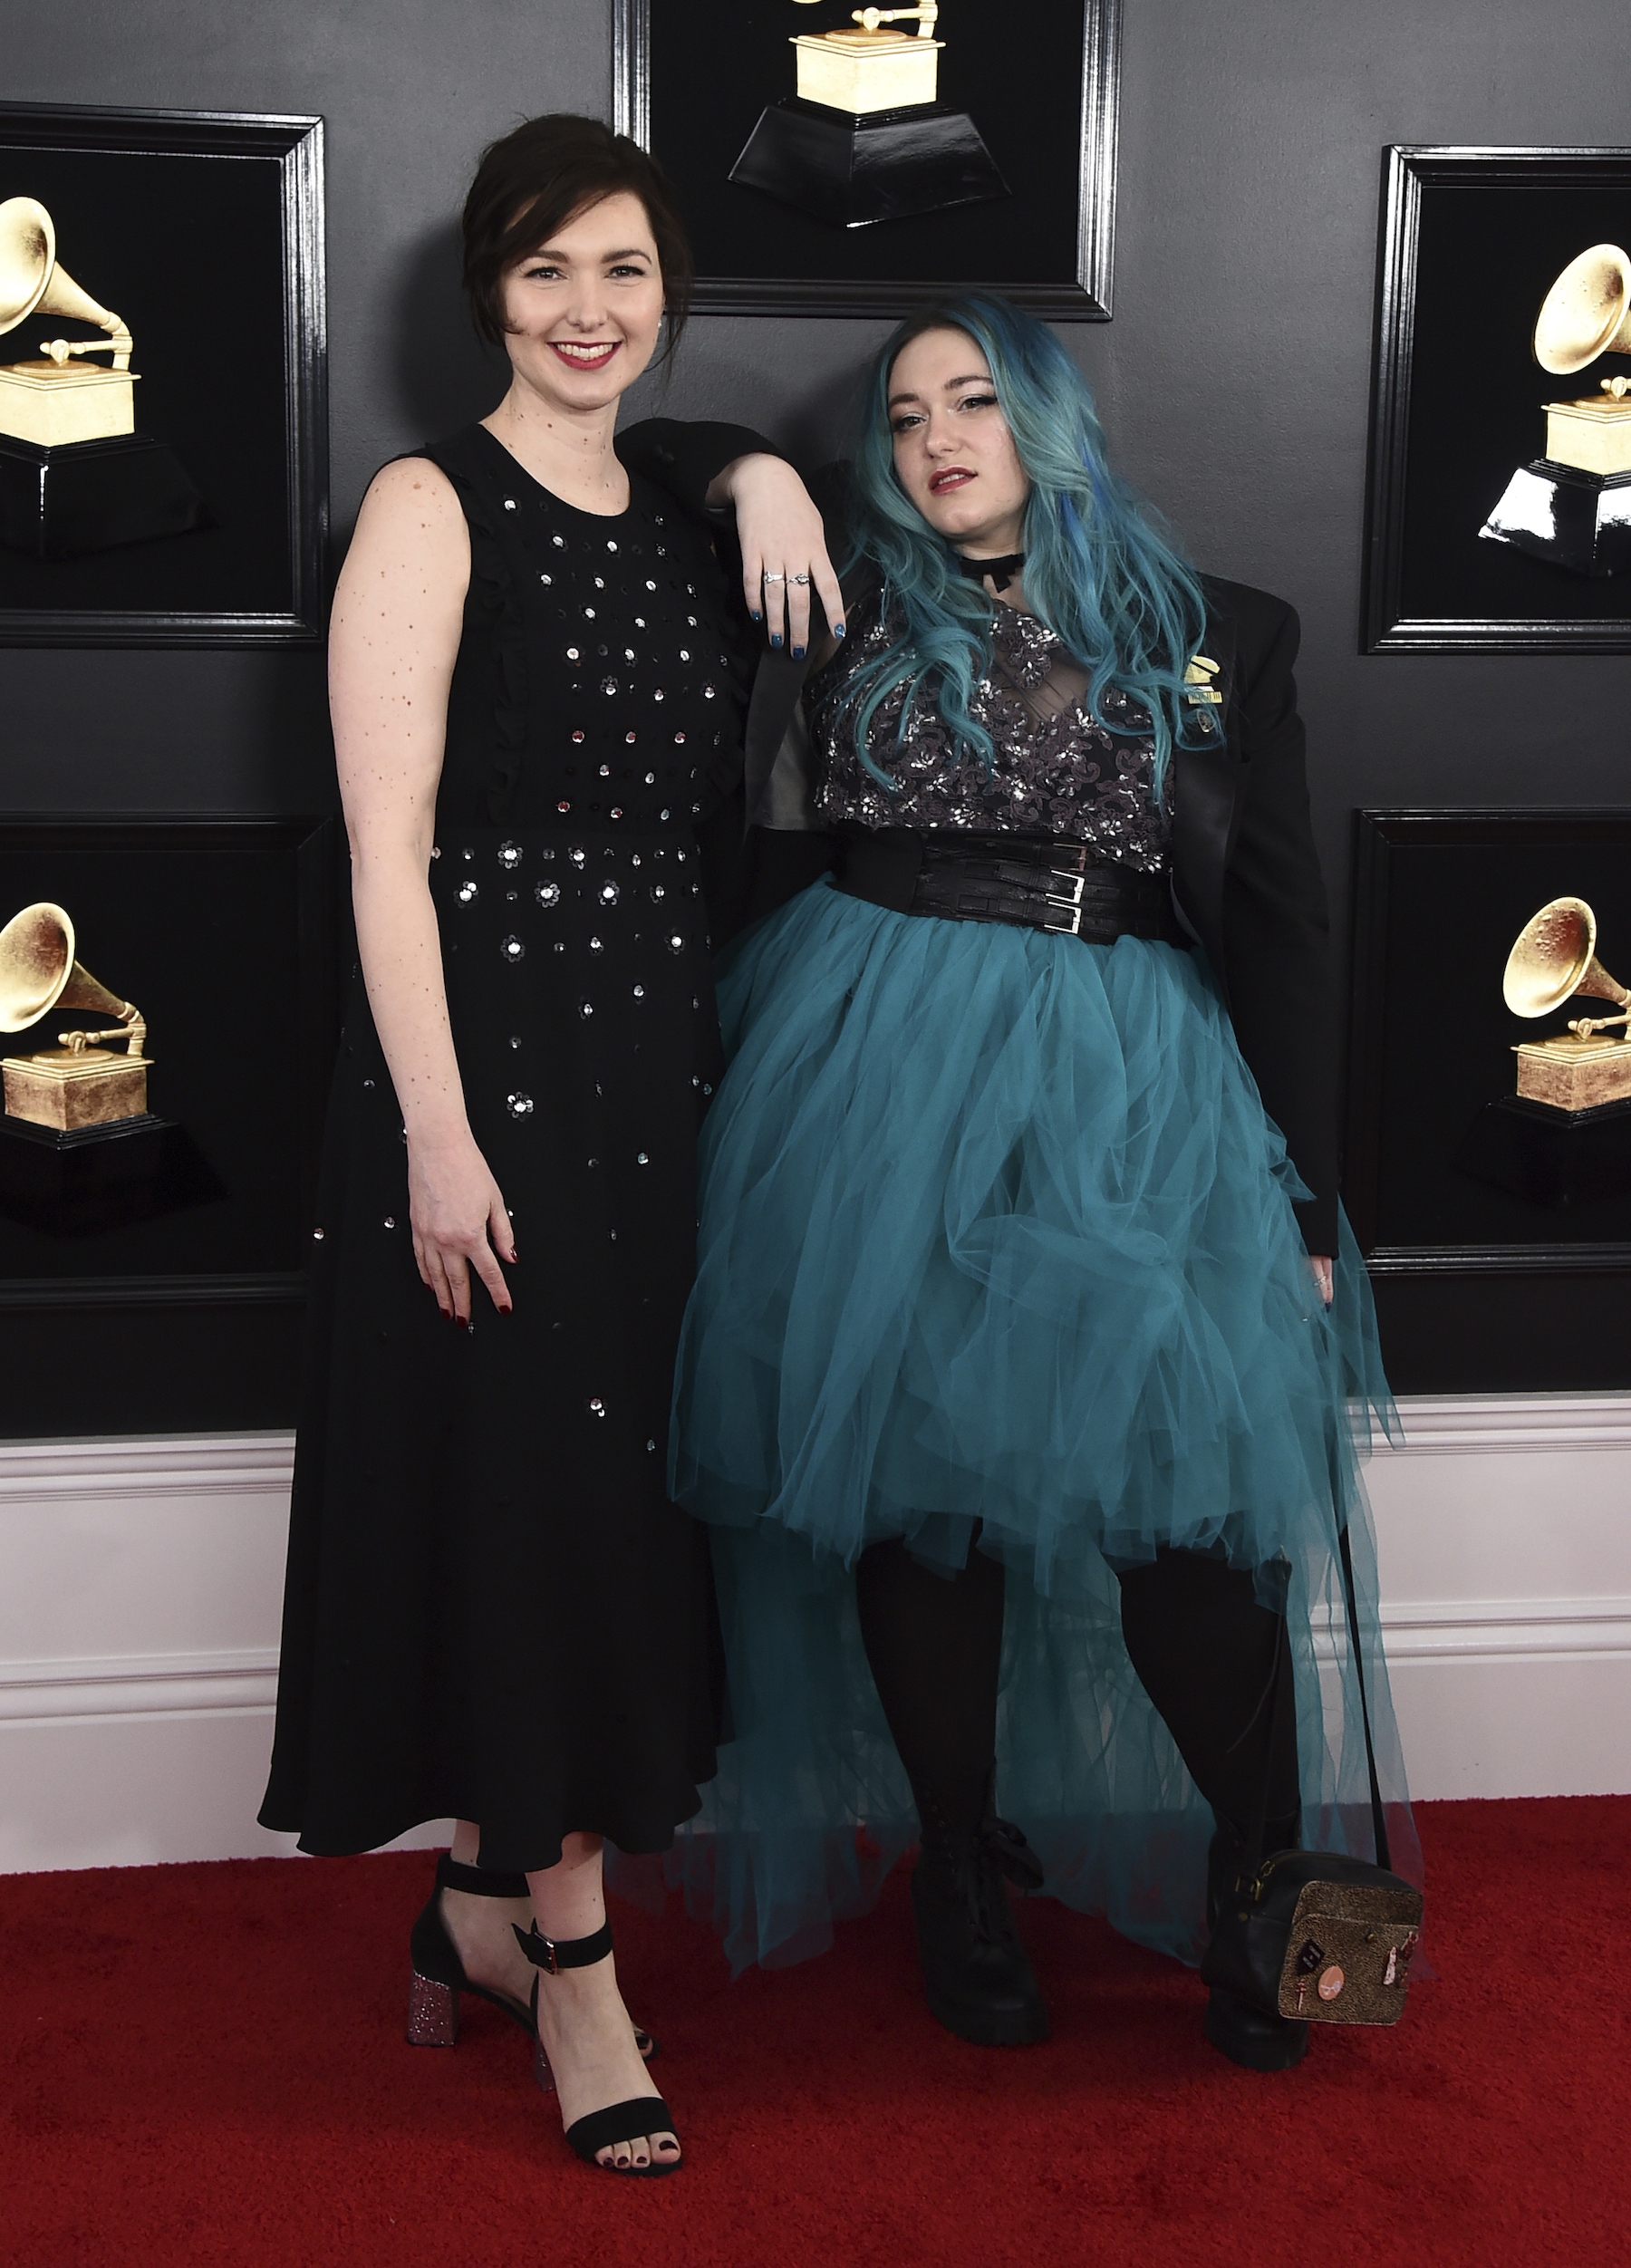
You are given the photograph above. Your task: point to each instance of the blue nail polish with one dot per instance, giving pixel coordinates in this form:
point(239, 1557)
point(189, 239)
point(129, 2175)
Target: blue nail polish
point(837, 630)
point(757, 615)
point(798, 653)
point(776, 637)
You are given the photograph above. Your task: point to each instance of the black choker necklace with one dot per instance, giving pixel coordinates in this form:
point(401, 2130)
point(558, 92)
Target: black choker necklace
point(1001, 570)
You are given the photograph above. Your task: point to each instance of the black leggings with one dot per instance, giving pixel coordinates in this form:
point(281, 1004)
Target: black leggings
point(1206, 1653)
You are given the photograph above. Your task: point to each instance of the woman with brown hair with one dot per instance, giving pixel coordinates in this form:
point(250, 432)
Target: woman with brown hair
point(494, 1612)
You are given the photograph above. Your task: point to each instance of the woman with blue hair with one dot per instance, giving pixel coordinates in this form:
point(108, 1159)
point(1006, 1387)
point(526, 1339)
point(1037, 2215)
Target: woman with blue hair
point(1022, 1363)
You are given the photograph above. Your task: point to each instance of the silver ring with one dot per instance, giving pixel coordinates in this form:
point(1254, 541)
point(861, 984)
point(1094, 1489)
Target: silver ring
point(775, 575)
point(801, 578)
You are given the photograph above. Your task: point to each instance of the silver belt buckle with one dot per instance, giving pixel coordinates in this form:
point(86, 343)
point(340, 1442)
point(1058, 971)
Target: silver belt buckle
point(1069, 896)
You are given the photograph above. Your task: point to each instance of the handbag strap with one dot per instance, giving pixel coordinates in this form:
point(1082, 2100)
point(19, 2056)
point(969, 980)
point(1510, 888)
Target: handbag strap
point(1258, 1828)
point(1378, 1815)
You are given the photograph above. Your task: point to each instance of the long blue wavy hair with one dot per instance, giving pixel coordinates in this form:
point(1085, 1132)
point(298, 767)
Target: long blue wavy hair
point(1098, 570)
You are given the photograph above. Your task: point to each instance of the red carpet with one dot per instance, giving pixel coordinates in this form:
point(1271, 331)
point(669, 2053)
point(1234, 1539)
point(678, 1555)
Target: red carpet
point(205, 2064)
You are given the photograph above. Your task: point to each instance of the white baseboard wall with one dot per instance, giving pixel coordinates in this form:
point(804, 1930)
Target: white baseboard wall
point(140, 1597)
point(140, 1583)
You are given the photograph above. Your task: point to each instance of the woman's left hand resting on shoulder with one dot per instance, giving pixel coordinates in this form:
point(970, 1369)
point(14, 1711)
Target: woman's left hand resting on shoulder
point(784, 548)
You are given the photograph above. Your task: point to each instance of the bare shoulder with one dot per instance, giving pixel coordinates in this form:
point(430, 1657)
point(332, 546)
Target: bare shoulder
point(410, 550)
point(412, 507)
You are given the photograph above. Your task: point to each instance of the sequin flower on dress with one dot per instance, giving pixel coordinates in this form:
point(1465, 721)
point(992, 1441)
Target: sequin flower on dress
point(1055, 771)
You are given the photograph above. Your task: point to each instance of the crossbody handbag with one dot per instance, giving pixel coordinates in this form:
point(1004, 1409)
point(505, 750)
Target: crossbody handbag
point(1314, 1934)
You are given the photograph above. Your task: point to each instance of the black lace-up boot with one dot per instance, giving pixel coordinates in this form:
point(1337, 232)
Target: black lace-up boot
point(977, 1975)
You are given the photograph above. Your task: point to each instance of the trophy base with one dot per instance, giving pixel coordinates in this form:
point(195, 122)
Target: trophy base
point(855, 172)
point(66, 1092)
point(1551, 1157)
point(1573, 1074)
point(79, 496)
point(49, 402)
point(1576, 519)
point(100, 1177)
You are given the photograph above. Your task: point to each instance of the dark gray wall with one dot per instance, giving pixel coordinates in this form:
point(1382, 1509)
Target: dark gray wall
point(1234, 379)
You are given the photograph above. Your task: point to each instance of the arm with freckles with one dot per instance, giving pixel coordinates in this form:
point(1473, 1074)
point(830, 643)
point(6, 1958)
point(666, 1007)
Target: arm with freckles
point(398, 616)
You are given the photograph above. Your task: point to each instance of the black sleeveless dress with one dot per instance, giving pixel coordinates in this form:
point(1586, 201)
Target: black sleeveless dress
point(493, 1611)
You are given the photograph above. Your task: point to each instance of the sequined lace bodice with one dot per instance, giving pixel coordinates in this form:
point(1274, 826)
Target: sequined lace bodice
point(1055, 770)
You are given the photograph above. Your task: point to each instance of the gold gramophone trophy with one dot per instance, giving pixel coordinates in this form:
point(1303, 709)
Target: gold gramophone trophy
point(1573, 506)
point(75, 475)
point(1555, 957)
point(73, 1087)
point(866, 138)
point(1563, 1139)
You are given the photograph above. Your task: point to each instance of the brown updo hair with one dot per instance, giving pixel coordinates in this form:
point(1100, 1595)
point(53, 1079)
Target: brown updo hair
point(531, 182)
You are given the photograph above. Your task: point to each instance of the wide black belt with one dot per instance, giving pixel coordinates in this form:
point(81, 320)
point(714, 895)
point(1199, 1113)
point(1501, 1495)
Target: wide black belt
point(1031, 881)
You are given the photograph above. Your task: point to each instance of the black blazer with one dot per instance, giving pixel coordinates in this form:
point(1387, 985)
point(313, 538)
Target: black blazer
point(1246, 878)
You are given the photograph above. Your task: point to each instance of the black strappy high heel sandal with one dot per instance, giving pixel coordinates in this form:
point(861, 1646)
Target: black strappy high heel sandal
point(438, 1974)
point(619, 2121)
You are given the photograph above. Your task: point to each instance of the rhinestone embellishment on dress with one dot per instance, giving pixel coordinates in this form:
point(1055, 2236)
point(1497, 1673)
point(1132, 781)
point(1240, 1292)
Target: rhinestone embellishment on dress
point(513, 949)
point(518, 1105)
point(547, 892)
point(468, 892)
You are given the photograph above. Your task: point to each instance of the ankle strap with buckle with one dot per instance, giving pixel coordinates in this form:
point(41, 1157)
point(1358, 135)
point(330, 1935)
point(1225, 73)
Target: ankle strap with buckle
point(552, 1955)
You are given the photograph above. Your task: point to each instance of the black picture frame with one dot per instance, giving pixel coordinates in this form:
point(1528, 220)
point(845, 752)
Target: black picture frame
point(1050, 246)
point(226, 933)
point(205, 229)
point(1472, 239)
point(1480, 1288)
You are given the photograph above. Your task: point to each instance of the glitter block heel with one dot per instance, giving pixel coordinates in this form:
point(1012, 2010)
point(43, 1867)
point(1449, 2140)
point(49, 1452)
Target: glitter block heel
point(432, 2012)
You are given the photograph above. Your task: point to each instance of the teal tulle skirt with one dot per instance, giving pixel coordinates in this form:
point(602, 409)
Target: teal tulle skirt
point(994, 1228)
